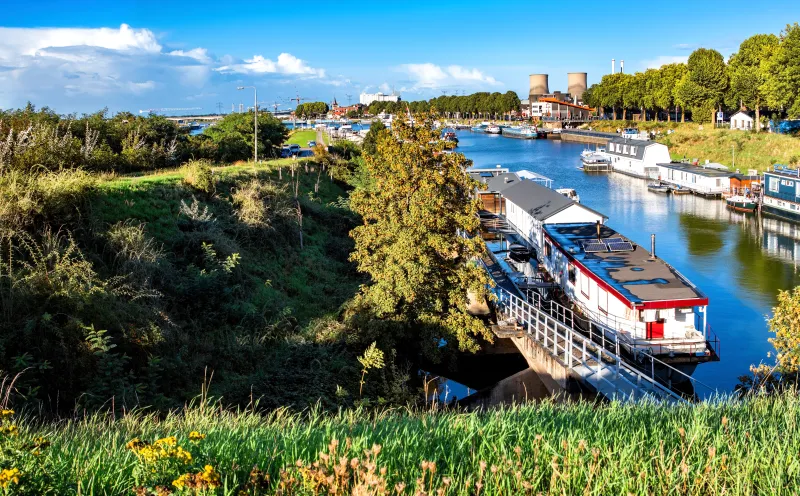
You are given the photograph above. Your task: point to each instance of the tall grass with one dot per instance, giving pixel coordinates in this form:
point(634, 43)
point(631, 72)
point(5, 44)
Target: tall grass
point(720, 447)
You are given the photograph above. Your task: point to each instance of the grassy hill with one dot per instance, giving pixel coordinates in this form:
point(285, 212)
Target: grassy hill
point(752, 150)
point(723, 447)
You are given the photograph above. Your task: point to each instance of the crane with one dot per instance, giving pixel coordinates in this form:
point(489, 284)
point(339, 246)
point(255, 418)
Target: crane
point(297, 99)
point(156, 110)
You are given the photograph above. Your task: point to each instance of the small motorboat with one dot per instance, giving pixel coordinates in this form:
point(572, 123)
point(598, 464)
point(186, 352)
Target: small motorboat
point(658, 188)
point(677, 190)
point(741, 203)
point(493, 129)
point(569, 193)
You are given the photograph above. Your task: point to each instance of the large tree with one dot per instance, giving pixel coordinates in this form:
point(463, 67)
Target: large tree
point(782, 86)
point(669, 76)
point(707, 83)
point(749, 74)
point(421, 268)
point(233, 136)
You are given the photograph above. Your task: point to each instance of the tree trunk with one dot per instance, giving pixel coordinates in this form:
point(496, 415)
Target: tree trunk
point(644, 114)
point(624, 113)
point(757, 124)
point(615, 113)
point(669, 115)
point(714, 118)
point(683, 114)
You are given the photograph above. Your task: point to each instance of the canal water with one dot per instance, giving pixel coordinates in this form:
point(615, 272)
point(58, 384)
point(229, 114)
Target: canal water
point(739, 261)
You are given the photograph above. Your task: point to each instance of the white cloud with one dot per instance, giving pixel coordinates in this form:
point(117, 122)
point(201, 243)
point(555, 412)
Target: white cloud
point(286, 64)
point(88, 68)
point(432, 76)
point(684, 46)
point(665, 59)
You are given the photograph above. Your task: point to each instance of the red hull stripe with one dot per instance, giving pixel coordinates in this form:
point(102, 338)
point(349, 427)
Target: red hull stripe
point(646, 305)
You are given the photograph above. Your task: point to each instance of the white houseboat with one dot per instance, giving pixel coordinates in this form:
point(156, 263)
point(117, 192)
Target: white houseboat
point(647, 305)
point(707, 180)
point(638, 158)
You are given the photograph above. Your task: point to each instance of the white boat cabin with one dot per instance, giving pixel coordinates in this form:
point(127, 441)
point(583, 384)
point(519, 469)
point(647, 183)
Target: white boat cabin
point(529, 206)
point(616, 283)
point(709, 179)
point(639, 158)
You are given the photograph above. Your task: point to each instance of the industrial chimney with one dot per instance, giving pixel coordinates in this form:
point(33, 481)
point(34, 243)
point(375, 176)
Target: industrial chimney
point(576, 84)
point(612, 66)
point(538, 85)
point(621, 66)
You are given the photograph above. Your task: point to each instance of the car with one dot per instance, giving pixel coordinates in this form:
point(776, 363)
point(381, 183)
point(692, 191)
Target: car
point(294, 149)
point(312, 144)
point(286, 152)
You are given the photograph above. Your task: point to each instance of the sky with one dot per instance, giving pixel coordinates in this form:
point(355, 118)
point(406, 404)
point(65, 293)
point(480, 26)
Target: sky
point(84, 55)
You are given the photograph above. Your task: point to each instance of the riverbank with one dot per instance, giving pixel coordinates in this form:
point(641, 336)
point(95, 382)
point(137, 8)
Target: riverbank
point(730, 446)
point(741, 150)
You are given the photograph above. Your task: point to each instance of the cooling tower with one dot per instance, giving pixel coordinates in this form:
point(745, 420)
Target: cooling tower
point(539, 84)
point(576, 84)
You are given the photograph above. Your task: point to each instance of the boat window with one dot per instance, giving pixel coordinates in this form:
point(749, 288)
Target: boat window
point(572, 274)
point(547, 250)
point(774, 185)
point(585, 285)
point(602, 299)
point(797, 188)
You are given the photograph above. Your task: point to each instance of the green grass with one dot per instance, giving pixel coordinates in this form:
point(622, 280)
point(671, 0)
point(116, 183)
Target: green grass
point(301, 137)
point(725, 447)
point(752, 150)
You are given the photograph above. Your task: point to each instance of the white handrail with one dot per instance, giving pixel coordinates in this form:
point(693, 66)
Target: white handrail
point(548, 332)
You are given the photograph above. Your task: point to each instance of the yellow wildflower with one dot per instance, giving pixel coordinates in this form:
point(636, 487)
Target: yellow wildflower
point(170, 441)
point(210, 476)
point(9, 430)
point(6, 414)
point(181, 481)
point(182, 455)
point(195, 436)
point(135, 444)
point(8, 476)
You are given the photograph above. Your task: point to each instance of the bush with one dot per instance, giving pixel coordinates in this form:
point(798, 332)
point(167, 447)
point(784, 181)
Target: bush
point(198, 175)
point(259, 203)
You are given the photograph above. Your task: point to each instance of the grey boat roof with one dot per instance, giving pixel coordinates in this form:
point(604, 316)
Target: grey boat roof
point(539, 201)
point(498, 183)
point(639, 144)
point(697, 169)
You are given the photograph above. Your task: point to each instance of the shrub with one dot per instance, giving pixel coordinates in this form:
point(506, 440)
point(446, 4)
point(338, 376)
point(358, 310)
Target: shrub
point(259, 203)
point(199, 176)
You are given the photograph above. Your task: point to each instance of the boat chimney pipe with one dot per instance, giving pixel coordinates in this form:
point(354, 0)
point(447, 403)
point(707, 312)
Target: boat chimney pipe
point(598, 230)
point(652, 246)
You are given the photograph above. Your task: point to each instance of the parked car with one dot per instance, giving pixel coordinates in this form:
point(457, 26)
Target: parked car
point(312, 144)
point(294, 149)
point(286, 152)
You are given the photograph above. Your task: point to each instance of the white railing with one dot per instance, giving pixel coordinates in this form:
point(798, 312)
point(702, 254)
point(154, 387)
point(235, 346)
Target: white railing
point(610, 335)
point(574, 350)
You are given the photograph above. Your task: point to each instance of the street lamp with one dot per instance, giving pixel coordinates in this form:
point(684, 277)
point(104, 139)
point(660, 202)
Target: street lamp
point(255, 119)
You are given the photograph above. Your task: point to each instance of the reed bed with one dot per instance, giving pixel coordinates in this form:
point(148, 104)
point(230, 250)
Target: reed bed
point(725, 446)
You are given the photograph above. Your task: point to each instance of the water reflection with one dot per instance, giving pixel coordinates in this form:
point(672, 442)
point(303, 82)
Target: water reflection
point(738, 260)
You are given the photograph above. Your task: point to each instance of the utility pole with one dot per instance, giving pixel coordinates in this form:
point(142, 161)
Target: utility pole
point(219, 108)
point(255, 119)
point(348, 99)
point(297, 99)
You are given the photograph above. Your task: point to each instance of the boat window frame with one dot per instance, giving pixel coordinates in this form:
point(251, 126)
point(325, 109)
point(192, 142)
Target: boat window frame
point(774, 184)
point(572, 274)
point(602, 294)
point(585, 281)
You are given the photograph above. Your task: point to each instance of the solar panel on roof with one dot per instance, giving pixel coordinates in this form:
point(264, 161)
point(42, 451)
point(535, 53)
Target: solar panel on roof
point(594, 247)
point(620, 246)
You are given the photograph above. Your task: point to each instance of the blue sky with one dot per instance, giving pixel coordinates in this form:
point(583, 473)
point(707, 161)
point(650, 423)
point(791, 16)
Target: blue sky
point(127, 55)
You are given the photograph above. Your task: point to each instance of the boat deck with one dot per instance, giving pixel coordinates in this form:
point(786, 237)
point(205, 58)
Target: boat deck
point(633, 273)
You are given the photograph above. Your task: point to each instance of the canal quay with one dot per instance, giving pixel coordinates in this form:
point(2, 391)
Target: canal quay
point(739, 261)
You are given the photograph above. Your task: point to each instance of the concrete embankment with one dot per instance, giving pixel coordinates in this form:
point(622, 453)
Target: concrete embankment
point(590, 137)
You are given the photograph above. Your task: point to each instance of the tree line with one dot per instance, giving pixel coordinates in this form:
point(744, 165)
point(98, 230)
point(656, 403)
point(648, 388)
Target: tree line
point(761, 76)
point(477, 105)
point(311, 109)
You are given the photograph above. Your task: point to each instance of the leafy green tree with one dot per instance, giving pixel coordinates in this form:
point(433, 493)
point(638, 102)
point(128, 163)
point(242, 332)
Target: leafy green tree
point(669, 76)
point(707, 83)
point(748, 71)
point(233, 136)
point(370, 143)
point(782, 85)
point(421, 268)
point(785, 324)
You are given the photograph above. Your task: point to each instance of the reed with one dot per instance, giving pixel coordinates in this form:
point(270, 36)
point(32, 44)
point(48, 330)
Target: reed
point(725, 446)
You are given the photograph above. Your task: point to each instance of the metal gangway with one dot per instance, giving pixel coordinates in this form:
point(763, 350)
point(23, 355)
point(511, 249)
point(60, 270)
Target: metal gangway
point(604, 370)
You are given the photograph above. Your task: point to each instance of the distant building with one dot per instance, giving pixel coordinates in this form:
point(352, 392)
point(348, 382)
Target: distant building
point(339, 111)
point(548, 109)
point(741, 120)
point(367, 98)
